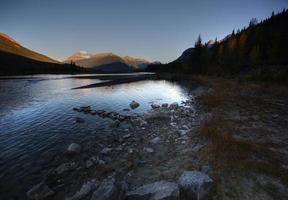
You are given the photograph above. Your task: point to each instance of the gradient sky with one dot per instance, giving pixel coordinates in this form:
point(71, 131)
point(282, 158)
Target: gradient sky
point(152, 29)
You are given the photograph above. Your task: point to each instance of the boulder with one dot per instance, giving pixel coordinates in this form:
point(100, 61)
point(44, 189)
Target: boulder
point(174, 106)
point(74, 148)
point(85, 190)
point(194, 185)
point(155, 106)
point(165, 105)
point(107, 190)
point(134, 104)
point(39, 192)
point(65, 167)
point(115, 123)
point(161, 190)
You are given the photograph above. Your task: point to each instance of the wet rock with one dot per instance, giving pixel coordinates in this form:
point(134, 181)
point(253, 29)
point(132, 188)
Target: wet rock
point(155, 106)
point(106, 150)
point(134, 105)
point(155, 140)
point(76, 109)
point(115, 123)
point(148, 150)
point(126, 136)
point(161, 190)
point(165, 105)
point(107, 190)
point(173, 106)
point(65, 167)
point(39, 192)
point(157, 115)
point(79, 120)
point(85, 109)
point(73, 148)
point(85, 190)
point(194, 185)
point(138, 121)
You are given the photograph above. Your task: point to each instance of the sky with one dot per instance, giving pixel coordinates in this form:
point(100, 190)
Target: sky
point(157, 30)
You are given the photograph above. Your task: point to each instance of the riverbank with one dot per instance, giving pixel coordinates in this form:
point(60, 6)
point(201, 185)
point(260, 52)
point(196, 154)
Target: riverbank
point(229, 134)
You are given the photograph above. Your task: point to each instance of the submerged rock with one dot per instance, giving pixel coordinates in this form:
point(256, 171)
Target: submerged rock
point(115, 123)
point(194, 185)
point(134, 104)
point(165, 105)
point(39, 192)
point(79, 120)
point(161, 190)
point(74, 148)
point(85, 190)
point(155, 106)
point(65, 167)
point(107, 190)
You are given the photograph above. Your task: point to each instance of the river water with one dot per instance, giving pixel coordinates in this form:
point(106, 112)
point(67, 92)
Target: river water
point(37, 120)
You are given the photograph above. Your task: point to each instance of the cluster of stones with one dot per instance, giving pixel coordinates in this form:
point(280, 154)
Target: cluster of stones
point(192, 185)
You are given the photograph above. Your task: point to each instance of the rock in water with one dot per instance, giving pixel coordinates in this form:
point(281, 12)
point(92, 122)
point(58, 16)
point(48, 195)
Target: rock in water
point(74, 148)
point(85, 190)
point(65, 167)
point(165, 105)
point(194, 185)
point(115, 123)
point(107, 190)
point(161, 190)
point(155, 106)
point(174, 105)
point(40, 191)
point(134, 104)
point(79, 120)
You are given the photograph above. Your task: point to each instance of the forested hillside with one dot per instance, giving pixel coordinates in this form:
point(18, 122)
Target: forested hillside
point(259, 50)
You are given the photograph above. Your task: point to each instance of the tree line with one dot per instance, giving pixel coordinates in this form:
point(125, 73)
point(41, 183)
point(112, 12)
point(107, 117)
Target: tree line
point(261, 49)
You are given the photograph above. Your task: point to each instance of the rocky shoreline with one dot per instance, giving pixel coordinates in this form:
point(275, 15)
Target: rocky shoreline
point(151, 158)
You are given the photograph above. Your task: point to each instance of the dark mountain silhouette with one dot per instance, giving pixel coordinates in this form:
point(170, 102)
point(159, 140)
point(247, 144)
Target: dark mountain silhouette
point(259, 51)
point(9, 45)
point(16, 59)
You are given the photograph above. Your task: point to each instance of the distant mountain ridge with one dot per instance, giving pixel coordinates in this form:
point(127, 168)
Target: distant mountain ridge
point(17, 60)
point(9, 45)
point(106, 59)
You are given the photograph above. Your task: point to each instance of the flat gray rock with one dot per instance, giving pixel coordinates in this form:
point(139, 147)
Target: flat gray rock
point(107, 190)
point(39, 191)
point(85, 190)
point(161, 190)
point(194, 185)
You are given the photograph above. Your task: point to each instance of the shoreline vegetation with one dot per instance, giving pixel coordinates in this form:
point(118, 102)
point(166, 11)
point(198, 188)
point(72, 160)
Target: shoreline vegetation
point(257, 52)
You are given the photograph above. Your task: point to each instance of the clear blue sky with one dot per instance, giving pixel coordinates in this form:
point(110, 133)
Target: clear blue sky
point(151, 29)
